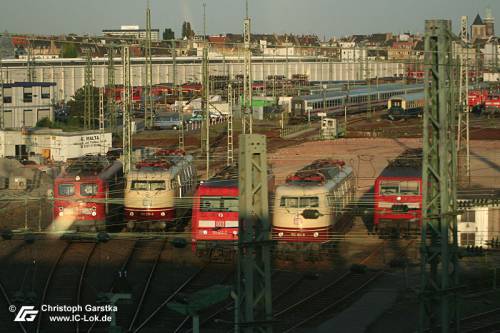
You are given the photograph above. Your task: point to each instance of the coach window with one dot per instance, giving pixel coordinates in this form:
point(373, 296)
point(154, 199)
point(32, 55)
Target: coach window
point(66, 189)
point(88, 189)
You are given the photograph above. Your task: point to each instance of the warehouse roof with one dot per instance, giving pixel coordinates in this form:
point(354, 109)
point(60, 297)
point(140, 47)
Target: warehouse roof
point(28, 84)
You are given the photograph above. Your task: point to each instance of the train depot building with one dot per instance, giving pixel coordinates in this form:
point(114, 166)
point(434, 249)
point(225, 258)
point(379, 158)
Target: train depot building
point(52, 144)
point(26, 103)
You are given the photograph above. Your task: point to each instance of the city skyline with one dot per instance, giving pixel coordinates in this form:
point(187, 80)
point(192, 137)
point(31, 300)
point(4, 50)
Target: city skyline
point(323, 18)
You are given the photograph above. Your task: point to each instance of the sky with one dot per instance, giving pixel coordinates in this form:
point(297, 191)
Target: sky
point(325, 18)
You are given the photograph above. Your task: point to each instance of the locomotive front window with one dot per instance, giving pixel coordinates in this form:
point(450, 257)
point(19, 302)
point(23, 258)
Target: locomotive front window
point(400, 188)
point(396, 102)
point(66, 189)
point(157, 185)
point(88, 189)
point(409, 188)
point(139, 185)
point(299, 202)
point(389, 188)
point(219, 204)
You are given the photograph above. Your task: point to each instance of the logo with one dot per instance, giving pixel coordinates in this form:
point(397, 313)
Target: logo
point(27, 313)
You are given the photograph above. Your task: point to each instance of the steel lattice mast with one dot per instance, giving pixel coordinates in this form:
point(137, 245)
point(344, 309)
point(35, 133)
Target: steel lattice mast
point(111, 89)
point(253, 310)
point(101, 121)
point(148, 100)
point(230, 159)
point(439, 263)
point(247, 116)
point(178, 93)
point(2, 125)
point(89, 98)
point(126, 102)
point(463, 148)
point(205, 129)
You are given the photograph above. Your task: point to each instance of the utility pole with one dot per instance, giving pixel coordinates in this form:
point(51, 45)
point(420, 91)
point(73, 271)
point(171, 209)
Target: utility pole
point(253, 310)
point(30, 64)
point(101, 121)
point(230, 160)
point(205, 130)
point(148, 102)
point(127, 125)
point(247, 116)
point(178, 93)
point(111, 89)
point(463, 148)
point(2, 125)
point(439, 262)
point(88, 113)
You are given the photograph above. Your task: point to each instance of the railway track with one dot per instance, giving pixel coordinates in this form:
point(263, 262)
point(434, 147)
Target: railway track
point(65, 278)
point(484, 322)
point(164, 319)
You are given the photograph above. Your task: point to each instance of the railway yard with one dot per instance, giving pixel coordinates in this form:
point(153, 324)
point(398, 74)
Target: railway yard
point(311, 289)
point(250, 182)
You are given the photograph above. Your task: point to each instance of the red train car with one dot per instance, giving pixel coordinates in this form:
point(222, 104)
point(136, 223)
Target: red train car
point(398, 196)
point(215, 209)
point(492, 104)
point(477, 99)
point(82, 193)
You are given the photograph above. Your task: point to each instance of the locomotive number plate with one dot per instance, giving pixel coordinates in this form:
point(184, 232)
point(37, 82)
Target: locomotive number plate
point(297, 220)
point(220, 224)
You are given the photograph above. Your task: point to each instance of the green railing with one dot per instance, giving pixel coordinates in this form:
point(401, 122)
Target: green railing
point(291, 129)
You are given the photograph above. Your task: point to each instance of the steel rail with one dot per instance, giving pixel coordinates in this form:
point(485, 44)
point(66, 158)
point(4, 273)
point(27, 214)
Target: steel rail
point(7, 299)
point(146, 286)
point(80, 282)
point(47, 284)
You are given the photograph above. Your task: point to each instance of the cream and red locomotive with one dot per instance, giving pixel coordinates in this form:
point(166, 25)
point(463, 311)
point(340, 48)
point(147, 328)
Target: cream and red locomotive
point(312, 200)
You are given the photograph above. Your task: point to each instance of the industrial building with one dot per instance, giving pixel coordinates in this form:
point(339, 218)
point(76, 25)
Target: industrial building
point(52, 144)
point(132, 31)
point(25, 103)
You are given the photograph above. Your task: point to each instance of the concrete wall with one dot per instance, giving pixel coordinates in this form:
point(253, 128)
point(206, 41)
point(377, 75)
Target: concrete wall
point(69, 74)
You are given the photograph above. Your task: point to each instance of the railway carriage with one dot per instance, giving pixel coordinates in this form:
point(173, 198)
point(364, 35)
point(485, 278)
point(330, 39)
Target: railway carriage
point(155, 191)
point(398, 196)
point(84, 193)
point(334, 102)
point(405, 106)
point(312, 201)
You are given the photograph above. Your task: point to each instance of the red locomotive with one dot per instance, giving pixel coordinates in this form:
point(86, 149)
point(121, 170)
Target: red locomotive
point(492, 104)
point(83, 191)
point(476, 99)
point(215, 209)
point(398, 195)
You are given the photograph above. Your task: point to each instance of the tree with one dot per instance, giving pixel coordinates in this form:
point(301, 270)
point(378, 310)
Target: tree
point(168, 34)
point(187, 32)
point(77, 105)
point(6, 46)
point(69, 51)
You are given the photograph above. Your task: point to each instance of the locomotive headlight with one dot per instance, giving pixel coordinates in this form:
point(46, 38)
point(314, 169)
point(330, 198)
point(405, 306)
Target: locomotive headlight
point(280, 234)
point(315, 235)
point(61, 209)
point(131, 213)
point(61, 214)
point(162, 213)
point(94, 213)
point(94, 209)
point(205, 232)
point(235, 232)
point(398, 198)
